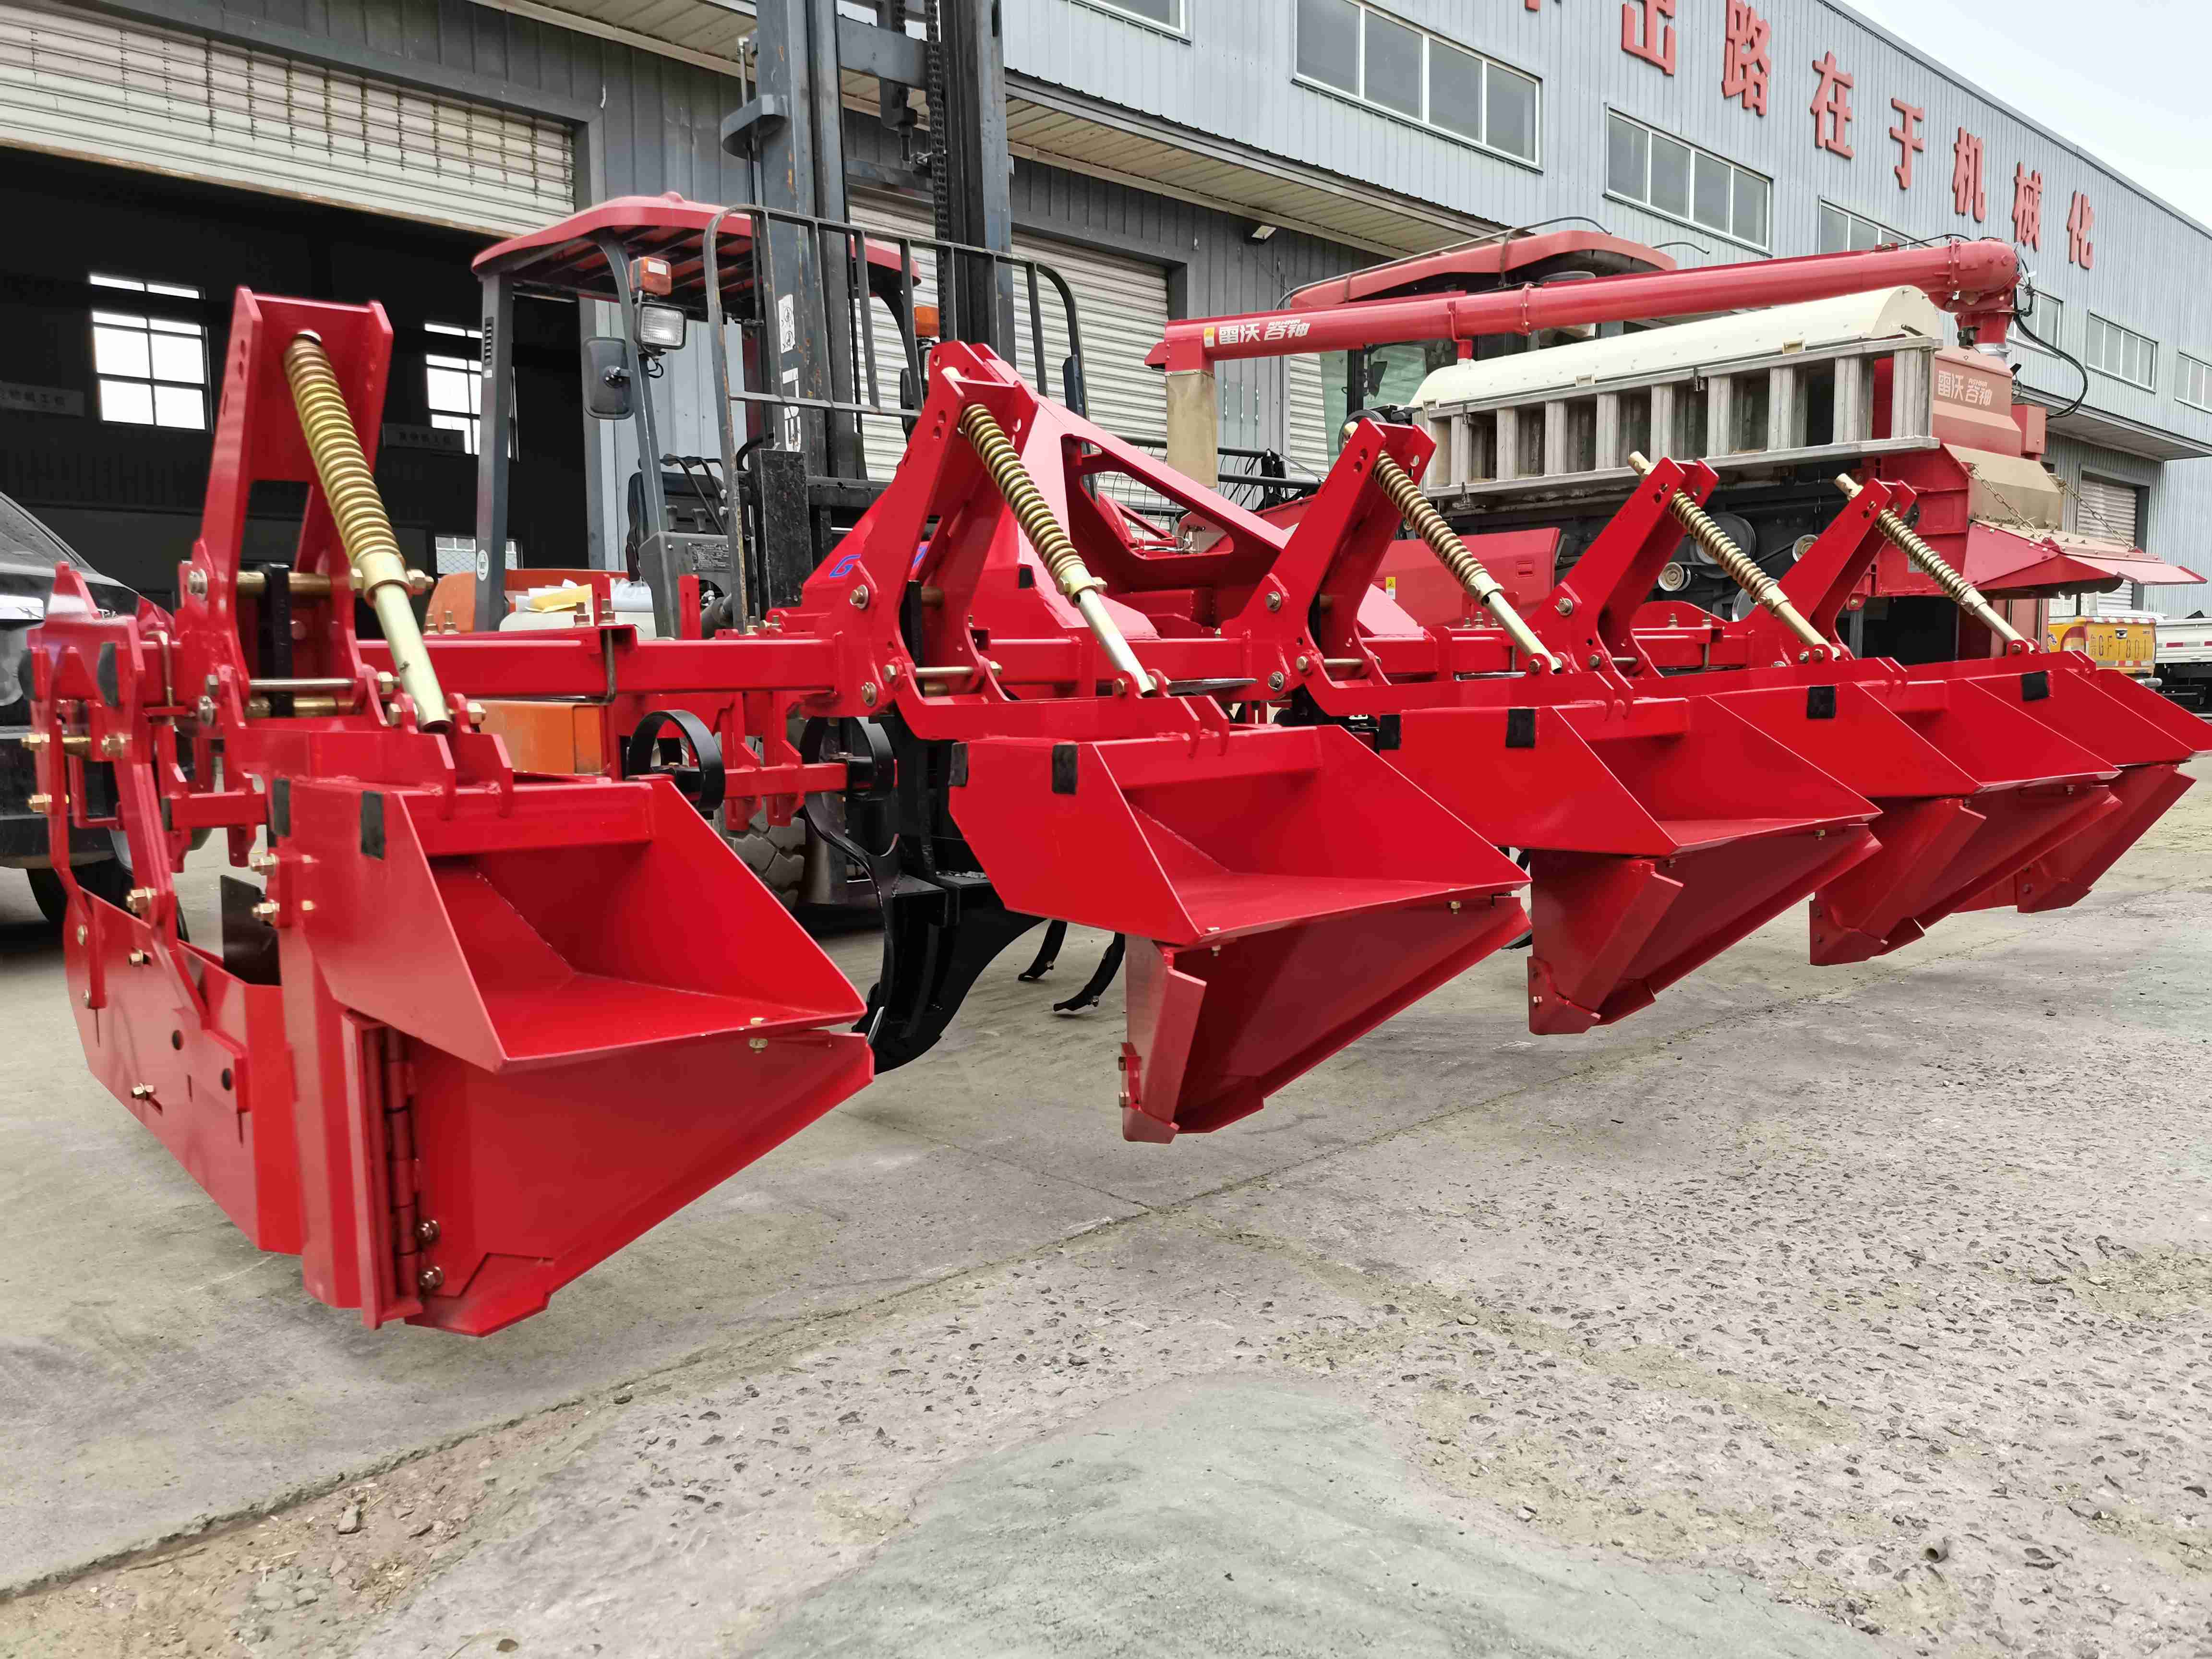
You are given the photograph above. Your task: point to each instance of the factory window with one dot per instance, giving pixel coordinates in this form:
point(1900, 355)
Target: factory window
point(1843, 231)
point(153, 371)
point(1167, 14)
point(454, 385)
point(2196, 381)
point(2121, 353)
point(1372, 57)
point(1648, 167)
point(2047, 317)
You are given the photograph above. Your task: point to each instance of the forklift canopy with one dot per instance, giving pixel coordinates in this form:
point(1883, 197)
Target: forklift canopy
point(566, 258)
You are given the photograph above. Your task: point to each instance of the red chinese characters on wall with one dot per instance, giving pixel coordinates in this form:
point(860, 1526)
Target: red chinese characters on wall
point(1647, 33)
point(2080, 218)
point(1745, 65)
point(1907, 135)
point(2026, 206)
point(1966, 193)
point(1832, 107)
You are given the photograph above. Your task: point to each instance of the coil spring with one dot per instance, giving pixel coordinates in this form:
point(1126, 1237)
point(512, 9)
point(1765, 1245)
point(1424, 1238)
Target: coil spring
point(348, 484)
point(1725, 552)
point(1429, 525)
point(1004, 463)
point(1963, 593)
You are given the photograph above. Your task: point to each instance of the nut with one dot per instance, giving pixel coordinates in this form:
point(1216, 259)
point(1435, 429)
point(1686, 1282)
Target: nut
point(267, 909)
point(140, 899)
point(1275, 601)
point(142, 1091)
point(205, 711)
point(82, 933)
point(420, 582)
point(758, 1045)
point(140, 958)
point(429, 1279)
point(40, 803)
point(263, 862)
point(196, 584)
point(1275, 681)
point(35, 740)
point(859, 597)
point(115, 745)
point(868, 694)
point(1302, 664)
point(1566, 606)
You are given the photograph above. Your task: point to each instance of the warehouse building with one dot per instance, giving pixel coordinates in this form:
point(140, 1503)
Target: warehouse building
point(1173, 157)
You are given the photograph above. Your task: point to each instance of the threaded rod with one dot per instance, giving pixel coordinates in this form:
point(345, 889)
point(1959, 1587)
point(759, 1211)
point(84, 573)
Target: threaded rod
point(1422, 517)
point(1765, 590)
point(1909, 541)
point(364, 528)
point(1004, 463)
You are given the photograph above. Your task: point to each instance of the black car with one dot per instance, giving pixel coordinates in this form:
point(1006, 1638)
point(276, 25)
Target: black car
point(28, 553)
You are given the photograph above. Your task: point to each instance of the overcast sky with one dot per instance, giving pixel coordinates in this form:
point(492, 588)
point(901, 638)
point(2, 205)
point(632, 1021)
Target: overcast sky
point(2129, 81)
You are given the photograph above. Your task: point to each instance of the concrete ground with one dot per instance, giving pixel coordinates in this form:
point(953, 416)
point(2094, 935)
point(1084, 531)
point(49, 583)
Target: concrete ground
point(1812, 1311)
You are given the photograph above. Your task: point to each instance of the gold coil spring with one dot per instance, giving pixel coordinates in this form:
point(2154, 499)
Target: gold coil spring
point(1962, 593)
point(1004, 463)
point(1423, 519)
point(1764, 590)
point(379, 574)
point(348, 484)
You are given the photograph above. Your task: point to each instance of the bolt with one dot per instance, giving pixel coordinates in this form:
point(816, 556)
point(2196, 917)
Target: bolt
point(81, 933)
point(205, 711)
point(868, 694)
point(142, 1091)
point(1275, 601)
point(196, 584)
point(115, 745)
point(266, 910)
point(758, 1045)
point(859, 597)
point(1304, 663)
point(420, 582)
point(426, 1232)
point(306, 905)
point(1596, 661)
point(263, 862)
point(140, 958)
point(429, 1279)
point(387, 683)
point(1455, 905)
point(1566, 606)
point(140, 899)
point(1804, 656)
point(1275, 681)
point(40, 803)
point(34, 740)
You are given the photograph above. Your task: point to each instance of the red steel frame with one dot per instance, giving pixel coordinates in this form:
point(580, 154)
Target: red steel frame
point(518, 1020)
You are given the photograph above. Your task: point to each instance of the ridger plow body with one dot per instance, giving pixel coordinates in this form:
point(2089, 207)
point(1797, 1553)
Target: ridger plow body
point(486, 1026)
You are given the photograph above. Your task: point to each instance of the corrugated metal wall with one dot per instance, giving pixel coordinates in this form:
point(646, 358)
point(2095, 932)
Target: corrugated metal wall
point(1232, 75)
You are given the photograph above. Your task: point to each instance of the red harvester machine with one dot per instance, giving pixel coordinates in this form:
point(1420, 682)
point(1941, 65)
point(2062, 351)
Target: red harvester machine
point(486, 1026)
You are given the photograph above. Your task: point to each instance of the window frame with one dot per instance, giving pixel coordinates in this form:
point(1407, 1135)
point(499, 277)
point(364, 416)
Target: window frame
point(1612, 114)
point(2121, 375)
point(436, 361)
point(2037, 319)
point(1429, 39)
point(148, 327)
point(1121, 13)
point(2186, 362)
point(1890, 232)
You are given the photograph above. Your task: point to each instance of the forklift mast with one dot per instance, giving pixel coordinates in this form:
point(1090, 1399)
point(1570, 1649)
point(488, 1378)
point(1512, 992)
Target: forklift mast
point(794, 476)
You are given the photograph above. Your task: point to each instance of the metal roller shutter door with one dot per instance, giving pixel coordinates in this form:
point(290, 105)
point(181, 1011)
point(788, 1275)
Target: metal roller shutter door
point(2106, 509)
point(173, 101)
point(1305, 415)
point(1121, 305)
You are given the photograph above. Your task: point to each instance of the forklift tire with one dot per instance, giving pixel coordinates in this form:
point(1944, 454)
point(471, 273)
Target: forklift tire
point(52, 897)
point(777, 854)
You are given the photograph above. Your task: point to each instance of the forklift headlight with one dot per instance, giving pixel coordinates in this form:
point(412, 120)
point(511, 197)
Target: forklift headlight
point(659, 328)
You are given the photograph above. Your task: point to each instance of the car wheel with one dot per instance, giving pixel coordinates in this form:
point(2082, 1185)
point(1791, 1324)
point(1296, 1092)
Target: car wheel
point(53, 898)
